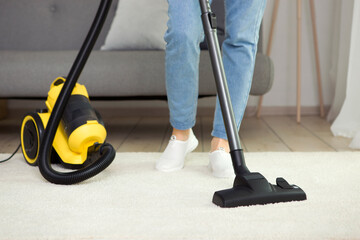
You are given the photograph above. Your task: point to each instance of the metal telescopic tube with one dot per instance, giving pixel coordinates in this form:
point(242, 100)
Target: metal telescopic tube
point(209, 24)
point(220, 77)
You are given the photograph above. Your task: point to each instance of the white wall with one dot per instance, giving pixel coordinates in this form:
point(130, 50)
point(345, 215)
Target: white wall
point(283, 52)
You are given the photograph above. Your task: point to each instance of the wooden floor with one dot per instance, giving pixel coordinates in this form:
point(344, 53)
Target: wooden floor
point(151, 134)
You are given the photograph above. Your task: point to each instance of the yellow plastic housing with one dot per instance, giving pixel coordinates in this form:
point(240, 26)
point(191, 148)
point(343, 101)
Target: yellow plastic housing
point(73, 150)
point(86, 135)
point(55, 91)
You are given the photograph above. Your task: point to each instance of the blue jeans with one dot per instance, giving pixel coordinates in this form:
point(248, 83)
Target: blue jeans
point(183, 36)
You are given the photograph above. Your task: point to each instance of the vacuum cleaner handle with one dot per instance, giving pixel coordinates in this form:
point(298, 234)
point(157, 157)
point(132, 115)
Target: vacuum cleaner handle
point(108, 152)
point(209, 24)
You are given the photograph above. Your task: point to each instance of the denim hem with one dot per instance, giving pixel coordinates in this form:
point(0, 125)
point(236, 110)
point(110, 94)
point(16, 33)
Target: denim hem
point(182, 126)
point(219, 134)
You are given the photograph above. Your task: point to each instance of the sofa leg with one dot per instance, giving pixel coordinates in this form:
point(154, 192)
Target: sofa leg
point(3, 108)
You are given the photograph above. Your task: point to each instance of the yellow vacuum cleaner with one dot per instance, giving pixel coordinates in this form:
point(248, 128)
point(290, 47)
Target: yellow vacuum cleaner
point(69, 131)
point(79, 133)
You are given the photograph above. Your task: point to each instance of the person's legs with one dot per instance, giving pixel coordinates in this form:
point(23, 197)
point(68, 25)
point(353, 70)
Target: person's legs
point(242, 21)
point(183, 37)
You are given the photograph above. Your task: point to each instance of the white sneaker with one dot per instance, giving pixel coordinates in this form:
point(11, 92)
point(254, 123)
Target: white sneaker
point(174, 155)
point(220, 164)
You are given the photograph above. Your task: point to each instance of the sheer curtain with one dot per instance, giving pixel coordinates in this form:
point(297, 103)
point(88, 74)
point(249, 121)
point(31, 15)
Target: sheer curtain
point(347, 122)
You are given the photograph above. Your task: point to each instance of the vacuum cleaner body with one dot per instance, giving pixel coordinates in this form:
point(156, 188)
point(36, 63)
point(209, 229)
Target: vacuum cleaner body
point(70, 131)
point(79, 133)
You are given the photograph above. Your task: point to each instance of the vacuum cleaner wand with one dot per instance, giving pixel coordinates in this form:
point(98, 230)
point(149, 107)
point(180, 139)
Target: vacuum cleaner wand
point(249, 188)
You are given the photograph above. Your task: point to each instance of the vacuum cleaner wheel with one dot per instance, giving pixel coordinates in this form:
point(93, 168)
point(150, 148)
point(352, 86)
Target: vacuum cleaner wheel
point(32, 130)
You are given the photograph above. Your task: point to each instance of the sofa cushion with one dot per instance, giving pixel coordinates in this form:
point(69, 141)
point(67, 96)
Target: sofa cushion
point(138, 25)
point(41, 25)
point(263, 75)
point(109, 74)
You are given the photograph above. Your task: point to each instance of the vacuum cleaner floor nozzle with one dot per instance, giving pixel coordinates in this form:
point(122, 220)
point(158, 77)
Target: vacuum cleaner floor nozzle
point(253, 188)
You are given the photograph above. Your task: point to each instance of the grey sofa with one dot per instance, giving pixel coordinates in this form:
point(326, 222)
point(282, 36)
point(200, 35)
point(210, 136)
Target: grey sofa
point(40, 40)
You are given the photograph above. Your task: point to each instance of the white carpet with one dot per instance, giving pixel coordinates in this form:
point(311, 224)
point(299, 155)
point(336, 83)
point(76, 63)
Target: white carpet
point(130, 200)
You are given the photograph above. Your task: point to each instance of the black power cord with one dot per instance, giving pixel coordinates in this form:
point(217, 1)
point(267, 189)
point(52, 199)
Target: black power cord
point(17, 149)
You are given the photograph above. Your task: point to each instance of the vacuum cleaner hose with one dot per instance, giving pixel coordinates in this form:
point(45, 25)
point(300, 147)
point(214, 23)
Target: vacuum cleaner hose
point(108, 153)
point(67, 178)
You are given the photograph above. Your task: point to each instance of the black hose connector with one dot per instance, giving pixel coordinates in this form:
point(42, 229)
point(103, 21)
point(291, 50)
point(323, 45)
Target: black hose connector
point(238, 160)
point(108, 152)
